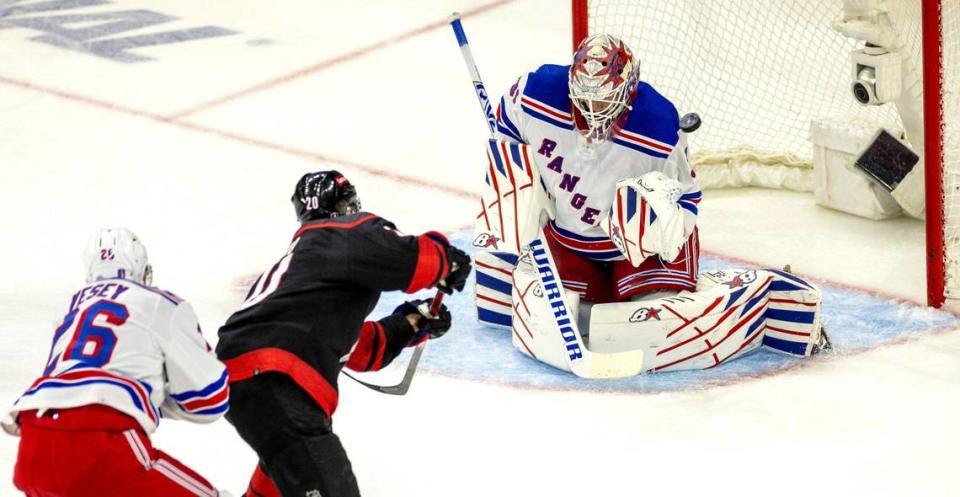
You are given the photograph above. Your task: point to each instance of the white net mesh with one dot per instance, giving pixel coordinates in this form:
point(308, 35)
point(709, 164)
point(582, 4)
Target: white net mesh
point(757, 71)
point(951, 143)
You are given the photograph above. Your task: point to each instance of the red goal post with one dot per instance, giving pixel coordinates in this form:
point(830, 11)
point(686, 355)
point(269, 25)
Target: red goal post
point(936, 182)
point(796, 36)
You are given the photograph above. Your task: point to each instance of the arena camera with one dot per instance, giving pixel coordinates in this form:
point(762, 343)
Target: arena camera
point(876, 75)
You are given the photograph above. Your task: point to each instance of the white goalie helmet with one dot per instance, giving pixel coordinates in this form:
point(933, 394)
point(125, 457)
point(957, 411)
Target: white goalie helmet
point(117, 253)
point(603, 82)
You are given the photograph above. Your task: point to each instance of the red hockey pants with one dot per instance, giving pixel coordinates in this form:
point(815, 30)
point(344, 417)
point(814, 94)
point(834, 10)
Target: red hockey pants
point(97, 451)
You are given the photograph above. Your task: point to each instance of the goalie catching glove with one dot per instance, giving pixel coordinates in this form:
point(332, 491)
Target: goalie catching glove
point(418, 311)
point(646, 219)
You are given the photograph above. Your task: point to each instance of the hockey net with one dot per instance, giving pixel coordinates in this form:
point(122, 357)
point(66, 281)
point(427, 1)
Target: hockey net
point(791, 68)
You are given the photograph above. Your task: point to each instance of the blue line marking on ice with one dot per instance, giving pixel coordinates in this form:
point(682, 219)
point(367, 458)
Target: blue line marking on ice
point(855, 321)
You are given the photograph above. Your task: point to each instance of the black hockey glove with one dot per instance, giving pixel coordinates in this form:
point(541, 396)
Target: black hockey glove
point(459, 265)
point(459, 270)
point(435, 326)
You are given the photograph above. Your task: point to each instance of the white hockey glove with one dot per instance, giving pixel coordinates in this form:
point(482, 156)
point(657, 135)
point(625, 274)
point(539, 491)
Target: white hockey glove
point(10, 424)
point(645, 218)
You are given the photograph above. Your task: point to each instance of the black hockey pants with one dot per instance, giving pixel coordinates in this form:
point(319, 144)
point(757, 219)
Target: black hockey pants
point(292, 436)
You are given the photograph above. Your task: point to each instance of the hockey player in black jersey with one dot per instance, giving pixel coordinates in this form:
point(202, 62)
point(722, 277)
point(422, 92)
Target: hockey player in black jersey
point(304, 319)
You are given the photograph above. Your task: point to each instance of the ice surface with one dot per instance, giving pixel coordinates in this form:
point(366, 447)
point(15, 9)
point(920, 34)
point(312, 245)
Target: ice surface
point(857, 321)
point(378, 90)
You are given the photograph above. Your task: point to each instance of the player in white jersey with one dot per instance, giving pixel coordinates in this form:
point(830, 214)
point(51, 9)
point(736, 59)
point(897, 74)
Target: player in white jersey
point(588, 126)
point(125, 355)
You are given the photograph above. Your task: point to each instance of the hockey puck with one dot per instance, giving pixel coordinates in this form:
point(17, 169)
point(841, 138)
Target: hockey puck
point(690, 122)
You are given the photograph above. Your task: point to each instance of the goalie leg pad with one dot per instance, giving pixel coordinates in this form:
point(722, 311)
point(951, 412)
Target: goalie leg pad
point(794, 322)
point(732, 313)
point(494, 287)
point(534, 330)
point(545, 322)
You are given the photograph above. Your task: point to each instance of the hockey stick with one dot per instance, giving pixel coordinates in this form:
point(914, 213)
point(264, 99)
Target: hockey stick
point(582, 361)
point(404, 385)
point(481, 90)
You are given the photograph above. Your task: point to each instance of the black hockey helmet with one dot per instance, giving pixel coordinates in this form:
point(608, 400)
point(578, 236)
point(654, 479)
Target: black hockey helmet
point(324, 194)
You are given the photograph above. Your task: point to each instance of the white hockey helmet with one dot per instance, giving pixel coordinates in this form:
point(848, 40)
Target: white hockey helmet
point(117, 253)
point(603, 82)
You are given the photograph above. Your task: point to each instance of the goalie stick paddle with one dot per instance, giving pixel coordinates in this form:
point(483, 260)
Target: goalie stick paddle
point(582, 361)
point(404, 385)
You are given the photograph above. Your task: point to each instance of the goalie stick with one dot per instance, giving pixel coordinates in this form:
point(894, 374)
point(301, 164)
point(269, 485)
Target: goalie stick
point(582, 362)
point(481, 90)
point(404, 385)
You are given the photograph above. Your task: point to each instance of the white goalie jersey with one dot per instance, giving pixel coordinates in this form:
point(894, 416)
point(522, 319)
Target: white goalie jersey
point(581, 179)
point(134, 348)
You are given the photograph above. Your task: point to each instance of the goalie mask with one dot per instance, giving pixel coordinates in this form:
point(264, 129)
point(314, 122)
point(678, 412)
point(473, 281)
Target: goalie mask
point(603, 82)
point(117, 253)
point(323, 195)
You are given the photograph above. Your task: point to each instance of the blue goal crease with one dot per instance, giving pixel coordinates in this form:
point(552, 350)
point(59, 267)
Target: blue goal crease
point(855, 321)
